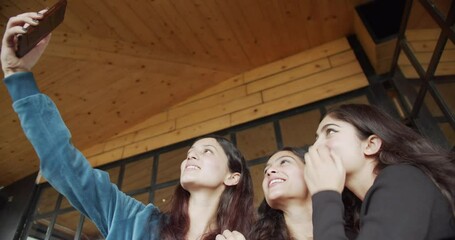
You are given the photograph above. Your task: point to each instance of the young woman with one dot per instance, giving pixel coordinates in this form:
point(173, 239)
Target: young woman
point(286, 212)
point(215, 191)
point(405, 183)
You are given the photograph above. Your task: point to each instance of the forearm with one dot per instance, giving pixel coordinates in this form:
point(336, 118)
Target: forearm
point(328, 220)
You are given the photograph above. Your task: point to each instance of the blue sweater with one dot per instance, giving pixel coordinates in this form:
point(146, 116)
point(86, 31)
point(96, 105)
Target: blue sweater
point(89, 190)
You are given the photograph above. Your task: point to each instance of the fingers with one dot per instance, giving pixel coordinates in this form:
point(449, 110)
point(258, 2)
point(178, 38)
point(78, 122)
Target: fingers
point(19, 25)
point(31, 18)
point(324, 170)
point(228, 235)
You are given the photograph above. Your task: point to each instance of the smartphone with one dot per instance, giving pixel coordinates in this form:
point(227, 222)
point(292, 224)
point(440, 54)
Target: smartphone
point(51, 19)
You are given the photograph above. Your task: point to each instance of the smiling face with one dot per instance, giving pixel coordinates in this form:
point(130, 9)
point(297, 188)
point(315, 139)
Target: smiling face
point(341, 139)
point(206, 166)
point(283, 179)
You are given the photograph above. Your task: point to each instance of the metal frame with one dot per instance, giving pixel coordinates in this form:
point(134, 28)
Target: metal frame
point(418, 115)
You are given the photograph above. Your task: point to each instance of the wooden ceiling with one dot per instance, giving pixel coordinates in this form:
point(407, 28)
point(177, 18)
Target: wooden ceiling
point(115, 63)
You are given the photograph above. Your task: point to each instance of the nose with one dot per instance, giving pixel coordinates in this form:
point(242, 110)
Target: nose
point(192, 156)
point(271, 171)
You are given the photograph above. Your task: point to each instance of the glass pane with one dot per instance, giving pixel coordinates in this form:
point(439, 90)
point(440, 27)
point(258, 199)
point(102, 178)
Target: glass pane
point(446, 90)
point(163, 197)
point(257, 141)
point(113, 174)
point(89, 231)
point(169, 164)
point(137, 175)
point(449, 133)
point(299, 130)
point(39, 228)
point(66, 225)
point(443, 6)
point(257, 173)
point(47, 200)
point(406, 68)
point(446, 64)
point(422, 33)
point(65, 203)
point(143, 197)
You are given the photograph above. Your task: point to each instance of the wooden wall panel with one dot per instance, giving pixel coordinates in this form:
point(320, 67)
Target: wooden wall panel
point(229, 104)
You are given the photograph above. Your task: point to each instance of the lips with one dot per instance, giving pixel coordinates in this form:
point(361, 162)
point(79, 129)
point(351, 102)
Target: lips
point(192, 167)
point(276, 181)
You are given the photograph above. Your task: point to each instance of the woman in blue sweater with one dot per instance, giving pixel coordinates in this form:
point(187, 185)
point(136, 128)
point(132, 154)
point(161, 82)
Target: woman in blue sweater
point(215, 191)
point(405, 184)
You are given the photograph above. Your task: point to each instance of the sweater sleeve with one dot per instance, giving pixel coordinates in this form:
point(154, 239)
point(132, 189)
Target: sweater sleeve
point(328, 220)
point(67, 170)
point(397, 206)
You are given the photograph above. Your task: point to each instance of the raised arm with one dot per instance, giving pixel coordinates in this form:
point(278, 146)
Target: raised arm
point(67, 170)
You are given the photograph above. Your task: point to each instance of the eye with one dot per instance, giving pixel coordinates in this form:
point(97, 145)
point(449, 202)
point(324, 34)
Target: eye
point(330, 131)
point(206, 150)
point(284, 161)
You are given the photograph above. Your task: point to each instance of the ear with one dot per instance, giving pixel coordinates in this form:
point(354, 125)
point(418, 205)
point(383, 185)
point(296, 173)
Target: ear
point(232, 180)
point(372, 145)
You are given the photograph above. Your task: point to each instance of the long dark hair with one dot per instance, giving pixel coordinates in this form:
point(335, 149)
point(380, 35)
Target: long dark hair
point(235, 210)
point(401, 145)
point(271, 223)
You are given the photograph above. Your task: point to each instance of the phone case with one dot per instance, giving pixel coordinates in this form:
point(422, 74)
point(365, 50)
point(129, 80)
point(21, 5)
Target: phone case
point(51, 19)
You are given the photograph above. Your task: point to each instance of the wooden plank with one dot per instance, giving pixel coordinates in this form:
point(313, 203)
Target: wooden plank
point(425, 57)
point(177, 136)
point(312, 81)
point(226, 96)
point(137, 49)
point(106, 157)
point(219, 110)
point(342, 58)
point(220, 87)
point(289, 75)
point(300, 98)
point(154, 130)
point(311, 55)
point(128, 61)
point(236, 17)
point(443, 69)
point(422, 34)
point(93, 150)
point(119, 142)
point(154, 120)
point(188, 12)
point(118, 29)
point(211, 14)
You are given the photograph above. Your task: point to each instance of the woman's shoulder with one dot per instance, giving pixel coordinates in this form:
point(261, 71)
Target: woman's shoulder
point(403, 176)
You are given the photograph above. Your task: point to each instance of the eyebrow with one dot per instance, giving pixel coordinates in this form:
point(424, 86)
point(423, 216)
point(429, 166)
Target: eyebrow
point(276, 160)
point(205, 145)
point(326, 126)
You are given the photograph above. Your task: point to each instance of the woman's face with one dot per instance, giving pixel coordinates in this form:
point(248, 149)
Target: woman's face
point(206, 166)
point(283, 179)
point(342, 140)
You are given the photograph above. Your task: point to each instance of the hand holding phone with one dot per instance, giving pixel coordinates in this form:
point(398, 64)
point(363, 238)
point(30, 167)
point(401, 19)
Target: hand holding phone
point(51, 19)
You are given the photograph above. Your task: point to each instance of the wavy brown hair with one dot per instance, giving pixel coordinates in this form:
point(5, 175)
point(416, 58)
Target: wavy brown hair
point(271, 223)
point(401, 145)
point(235, 209)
